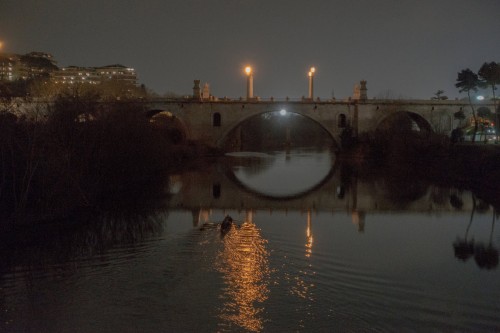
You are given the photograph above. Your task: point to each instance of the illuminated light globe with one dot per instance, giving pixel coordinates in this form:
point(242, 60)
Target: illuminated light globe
point(248, 70)
point(283, 112)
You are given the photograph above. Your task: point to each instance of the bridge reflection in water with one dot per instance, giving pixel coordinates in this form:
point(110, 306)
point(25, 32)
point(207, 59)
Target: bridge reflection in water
point(240, 184)
point(335, 189)
point(287, 258)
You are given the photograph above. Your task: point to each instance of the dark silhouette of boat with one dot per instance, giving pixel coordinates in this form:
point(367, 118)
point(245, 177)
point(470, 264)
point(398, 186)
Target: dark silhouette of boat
point(226, 225)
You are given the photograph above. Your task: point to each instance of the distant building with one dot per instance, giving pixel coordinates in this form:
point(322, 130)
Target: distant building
point(75, 75)
point(8, 63)
point(25, 67)
point(117, 72)
point(42, 65)
point(95, 75)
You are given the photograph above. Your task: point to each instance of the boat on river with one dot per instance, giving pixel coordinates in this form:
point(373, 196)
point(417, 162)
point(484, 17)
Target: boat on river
point(226, 225)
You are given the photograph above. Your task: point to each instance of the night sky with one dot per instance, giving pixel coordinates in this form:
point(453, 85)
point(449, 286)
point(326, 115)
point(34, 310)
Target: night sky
point(403, 48)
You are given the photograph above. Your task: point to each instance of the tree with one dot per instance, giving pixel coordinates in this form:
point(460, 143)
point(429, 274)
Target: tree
point(438, 95)
point(489, 73)
point(468, 81)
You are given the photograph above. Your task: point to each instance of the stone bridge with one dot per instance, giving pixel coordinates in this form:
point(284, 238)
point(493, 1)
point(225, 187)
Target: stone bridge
point(210, 122)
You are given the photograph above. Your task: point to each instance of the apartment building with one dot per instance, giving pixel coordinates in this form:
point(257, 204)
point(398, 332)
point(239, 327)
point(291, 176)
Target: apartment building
point(26, 66)
point(8, 64)
point(42, 65)
point(94, 75)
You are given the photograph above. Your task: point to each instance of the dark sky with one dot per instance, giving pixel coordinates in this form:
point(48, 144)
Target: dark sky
point(402, 48)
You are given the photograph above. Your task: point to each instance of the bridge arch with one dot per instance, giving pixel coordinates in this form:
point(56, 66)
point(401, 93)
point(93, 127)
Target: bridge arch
point(404, 121)
point(231, 127)
point(175, 129)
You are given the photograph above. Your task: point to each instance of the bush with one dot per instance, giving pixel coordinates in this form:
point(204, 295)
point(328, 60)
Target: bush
point(85, 154)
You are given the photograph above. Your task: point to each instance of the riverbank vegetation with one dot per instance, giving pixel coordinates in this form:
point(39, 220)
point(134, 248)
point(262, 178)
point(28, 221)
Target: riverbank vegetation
point(409, 155)
point(83, 154)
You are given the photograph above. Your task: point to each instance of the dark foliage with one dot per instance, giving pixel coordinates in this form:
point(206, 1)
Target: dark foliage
point(87, 154)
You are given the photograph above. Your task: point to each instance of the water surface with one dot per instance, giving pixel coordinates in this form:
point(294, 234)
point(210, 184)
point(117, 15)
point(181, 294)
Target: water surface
point(328, 252)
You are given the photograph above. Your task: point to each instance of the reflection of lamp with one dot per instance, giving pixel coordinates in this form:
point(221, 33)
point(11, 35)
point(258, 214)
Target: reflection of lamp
point(358, 218)
point(311, 84)
point(244, 265)
point(309, 236)
point(249, 72)
point(249, 216)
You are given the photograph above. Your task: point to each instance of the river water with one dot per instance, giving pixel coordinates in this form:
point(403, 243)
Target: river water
point(313, 248)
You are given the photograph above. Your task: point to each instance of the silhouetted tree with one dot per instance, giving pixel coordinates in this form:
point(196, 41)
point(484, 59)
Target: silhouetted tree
point(489, 73)
point(483, 112)
point(468, 81)
point(439, 95)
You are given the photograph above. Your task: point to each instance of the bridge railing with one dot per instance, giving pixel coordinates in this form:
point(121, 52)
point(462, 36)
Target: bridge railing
point(319, 100)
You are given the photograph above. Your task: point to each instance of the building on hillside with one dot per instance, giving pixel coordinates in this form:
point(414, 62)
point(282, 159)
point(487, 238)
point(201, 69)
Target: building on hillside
point(75, 75)
point(35, 65)
point(117, 73)
point(95, 75)
point(8, 63)
point(27, 66)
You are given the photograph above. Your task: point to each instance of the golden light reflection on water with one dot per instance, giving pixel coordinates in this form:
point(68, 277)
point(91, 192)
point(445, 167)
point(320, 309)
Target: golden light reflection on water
point(243, 261)
point(299, 281)
point(309, 236)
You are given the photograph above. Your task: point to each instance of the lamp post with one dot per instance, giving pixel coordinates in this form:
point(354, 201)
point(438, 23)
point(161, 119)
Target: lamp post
point(249, 72)
point(311, 82)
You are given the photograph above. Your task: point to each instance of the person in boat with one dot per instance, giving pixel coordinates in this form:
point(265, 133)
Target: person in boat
point(226, 224)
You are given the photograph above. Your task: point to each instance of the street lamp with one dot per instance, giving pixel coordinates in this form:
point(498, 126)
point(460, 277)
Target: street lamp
point(249, 72)
point(312, 70)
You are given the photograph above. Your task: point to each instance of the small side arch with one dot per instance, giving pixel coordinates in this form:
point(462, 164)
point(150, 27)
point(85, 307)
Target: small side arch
point(172, 127)
point(402, 121)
